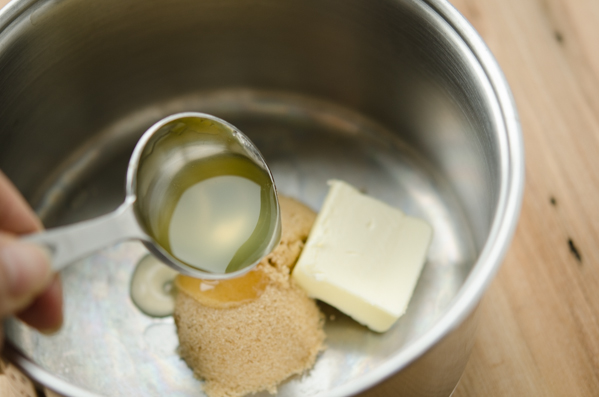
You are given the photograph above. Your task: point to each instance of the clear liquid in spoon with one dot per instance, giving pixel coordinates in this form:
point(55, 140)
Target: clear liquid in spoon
point(217, 214)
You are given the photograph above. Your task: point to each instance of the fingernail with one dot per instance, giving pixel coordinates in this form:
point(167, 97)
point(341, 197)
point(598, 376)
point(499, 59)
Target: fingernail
point(26, 265)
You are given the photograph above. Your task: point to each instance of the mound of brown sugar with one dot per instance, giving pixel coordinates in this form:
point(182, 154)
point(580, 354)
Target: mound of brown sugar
point(257, 343)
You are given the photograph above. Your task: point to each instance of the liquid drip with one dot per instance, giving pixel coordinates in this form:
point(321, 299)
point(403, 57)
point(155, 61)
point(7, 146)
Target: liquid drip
point(148, 290)
point(224, 293)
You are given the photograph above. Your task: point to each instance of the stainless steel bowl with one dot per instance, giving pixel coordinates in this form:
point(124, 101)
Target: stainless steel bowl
point(398, 97)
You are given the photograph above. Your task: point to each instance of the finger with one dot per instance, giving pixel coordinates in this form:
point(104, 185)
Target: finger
point(15, 214)
point(24, 273)
point(45, 313)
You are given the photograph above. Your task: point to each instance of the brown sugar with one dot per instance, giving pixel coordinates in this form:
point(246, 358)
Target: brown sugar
point(254, 342)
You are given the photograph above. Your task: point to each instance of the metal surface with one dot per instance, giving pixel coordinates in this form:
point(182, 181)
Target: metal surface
point(67, 244)
point(162, 151)
point(398, 97)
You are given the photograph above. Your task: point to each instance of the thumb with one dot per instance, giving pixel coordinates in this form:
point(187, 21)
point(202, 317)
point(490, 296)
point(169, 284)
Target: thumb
point(24, 273)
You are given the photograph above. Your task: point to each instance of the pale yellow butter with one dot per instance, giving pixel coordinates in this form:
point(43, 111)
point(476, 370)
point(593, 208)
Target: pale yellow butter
point(363, 257)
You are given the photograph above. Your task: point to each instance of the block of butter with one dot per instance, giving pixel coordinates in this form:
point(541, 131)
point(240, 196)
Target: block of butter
point(363, 257)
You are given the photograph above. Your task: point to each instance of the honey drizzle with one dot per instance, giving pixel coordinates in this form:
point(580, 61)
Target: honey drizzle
point(224, 293)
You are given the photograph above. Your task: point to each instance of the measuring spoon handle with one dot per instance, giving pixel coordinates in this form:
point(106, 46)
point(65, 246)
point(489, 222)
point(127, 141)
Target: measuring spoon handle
point(70, 243)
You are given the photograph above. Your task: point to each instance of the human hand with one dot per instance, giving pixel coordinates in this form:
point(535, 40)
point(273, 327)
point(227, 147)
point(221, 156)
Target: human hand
point(28, 287)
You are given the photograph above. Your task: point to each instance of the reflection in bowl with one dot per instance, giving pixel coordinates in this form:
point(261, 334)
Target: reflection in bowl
point(398, 97)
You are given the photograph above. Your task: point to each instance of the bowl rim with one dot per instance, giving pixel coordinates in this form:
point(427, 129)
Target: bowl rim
point(505, 218)
point(503, 227)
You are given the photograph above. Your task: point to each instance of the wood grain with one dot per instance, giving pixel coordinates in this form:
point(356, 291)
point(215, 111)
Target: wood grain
point(13, 383)
point(539, 330)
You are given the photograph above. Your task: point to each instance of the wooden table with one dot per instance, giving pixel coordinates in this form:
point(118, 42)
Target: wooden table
point(539, 330)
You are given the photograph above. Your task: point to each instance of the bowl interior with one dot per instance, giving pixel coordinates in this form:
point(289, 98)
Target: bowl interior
point(382, 94)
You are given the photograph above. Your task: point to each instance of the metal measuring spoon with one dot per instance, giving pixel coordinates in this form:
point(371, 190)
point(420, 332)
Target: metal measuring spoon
point(161, 154)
